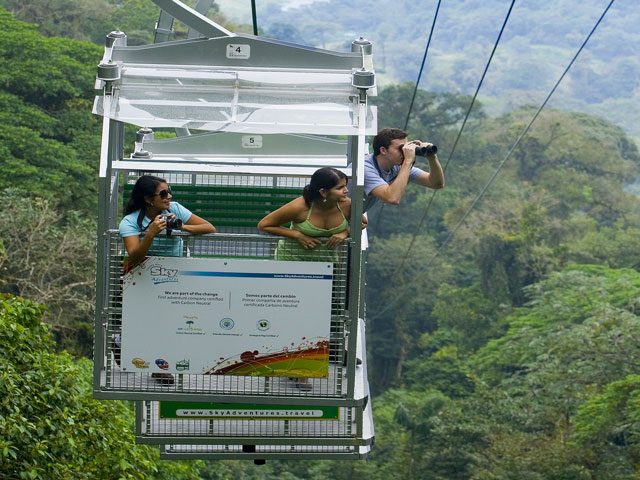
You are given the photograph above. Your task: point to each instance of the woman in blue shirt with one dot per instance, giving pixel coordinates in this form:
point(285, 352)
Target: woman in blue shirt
point(144, 214)
point(151, 197)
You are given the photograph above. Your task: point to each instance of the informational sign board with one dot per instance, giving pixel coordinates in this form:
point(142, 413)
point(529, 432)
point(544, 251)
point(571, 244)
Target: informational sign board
point(244, 411)
point(227, 317)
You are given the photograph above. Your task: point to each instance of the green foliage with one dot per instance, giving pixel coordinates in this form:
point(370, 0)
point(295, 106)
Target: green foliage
point(50, 257)
point(582, 161)
point(576, 141)
point(49, 146)
point(513, 361)
point(570, 317)
point(45, 72)
point(76, 19)
point(457, 434)
point(502, 273)
point(529, 456)
point(404, 421)
point(391, 336)
point(431, 112)
point(50, 427)
point(443, 370)
point(606, 428)
point(88, 19)
point(49, 140)
point(534, 386)
point(579, 332)
point(468, 314)
point(92, 20)
point(616, 247)
point(133, 17)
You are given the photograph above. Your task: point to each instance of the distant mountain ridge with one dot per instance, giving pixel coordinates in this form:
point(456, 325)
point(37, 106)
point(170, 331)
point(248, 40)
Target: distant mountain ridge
point(539, 40)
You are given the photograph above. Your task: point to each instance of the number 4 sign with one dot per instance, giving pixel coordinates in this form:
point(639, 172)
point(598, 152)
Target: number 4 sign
point(237, 51)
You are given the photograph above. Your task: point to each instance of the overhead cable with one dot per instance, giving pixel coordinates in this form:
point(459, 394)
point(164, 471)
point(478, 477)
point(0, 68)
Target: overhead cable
point(455, 143)
point(511, 150)
point(424, 59)
point(254, 17)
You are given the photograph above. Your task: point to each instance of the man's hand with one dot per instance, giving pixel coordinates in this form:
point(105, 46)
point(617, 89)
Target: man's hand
point(409, 152)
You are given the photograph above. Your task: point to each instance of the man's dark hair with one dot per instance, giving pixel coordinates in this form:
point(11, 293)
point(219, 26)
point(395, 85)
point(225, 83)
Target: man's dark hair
point(385, 137)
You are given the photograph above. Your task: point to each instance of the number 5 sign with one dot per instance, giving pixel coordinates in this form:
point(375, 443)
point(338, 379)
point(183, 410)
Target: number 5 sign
point(252, 141)
point(237, 51)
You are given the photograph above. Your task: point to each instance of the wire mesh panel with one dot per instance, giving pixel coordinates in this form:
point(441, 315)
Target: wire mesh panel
point(261, 452)
point(123, 379)
point(232, 203)
point(197, 422)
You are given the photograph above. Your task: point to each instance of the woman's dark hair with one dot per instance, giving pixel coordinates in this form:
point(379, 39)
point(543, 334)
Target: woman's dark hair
point(326, 178)
point(145, 186)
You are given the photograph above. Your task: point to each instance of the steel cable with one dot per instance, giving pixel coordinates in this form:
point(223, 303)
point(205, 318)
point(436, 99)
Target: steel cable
point(494, 175)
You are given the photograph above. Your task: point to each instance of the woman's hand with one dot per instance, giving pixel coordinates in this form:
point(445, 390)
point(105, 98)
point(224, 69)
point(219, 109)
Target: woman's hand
point(307, 242)
point(159, 223)
point(197, 226)
point(136, 248)
point(337, 238)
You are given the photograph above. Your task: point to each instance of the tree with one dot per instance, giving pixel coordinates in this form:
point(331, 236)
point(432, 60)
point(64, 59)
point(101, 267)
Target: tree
point(443, 370)
point(432, 113)
point(606, 429)
point(470, 316)
point(49, 138)
point(585, 315)
point(50, 426)
point(583, 160)
point(569, 361)
point(579, 333)
point(50, 257)
point(617, 246)
point(60, 18)
point(92, 20)
point(285, 32)
point(397, 308)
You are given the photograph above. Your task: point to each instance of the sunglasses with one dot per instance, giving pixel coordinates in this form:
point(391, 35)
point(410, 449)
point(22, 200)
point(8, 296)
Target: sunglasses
point(163, 193)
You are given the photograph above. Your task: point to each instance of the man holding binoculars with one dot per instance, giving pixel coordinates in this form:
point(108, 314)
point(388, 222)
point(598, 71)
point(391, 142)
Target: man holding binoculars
point(390, 168)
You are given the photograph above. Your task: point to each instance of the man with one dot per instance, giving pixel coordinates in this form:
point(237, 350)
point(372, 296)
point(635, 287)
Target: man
point(390, 168)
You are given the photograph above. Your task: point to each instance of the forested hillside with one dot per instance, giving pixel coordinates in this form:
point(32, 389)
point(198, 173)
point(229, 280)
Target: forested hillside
point(502, 346)
point(538, 42)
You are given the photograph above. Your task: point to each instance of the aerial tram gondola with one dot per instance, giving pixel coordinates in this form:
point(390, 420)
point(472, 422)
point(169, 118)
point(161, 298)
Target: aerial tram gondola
point(254, 118)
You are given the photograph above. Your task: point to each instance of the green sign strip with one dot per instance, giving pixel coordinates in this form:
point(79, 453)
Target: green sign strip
point(245, 411)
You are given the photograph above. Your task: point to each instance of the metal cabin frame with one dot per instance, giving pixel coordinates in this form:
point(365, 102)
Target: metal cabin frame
point(220, 91)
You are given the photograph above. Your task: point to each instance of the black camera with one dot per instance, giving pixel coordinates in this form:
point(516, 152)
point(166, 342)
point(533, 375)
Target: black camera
point(173, 223)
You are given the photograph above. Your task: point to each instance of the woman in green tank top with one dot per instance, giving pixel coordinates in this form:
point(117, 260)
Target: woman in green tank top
point(323, 210)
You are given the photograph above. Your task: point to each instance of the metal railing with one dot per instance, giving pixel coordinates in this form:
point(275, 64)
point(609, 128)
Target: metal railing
point(178, 422)
point(116, 382)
